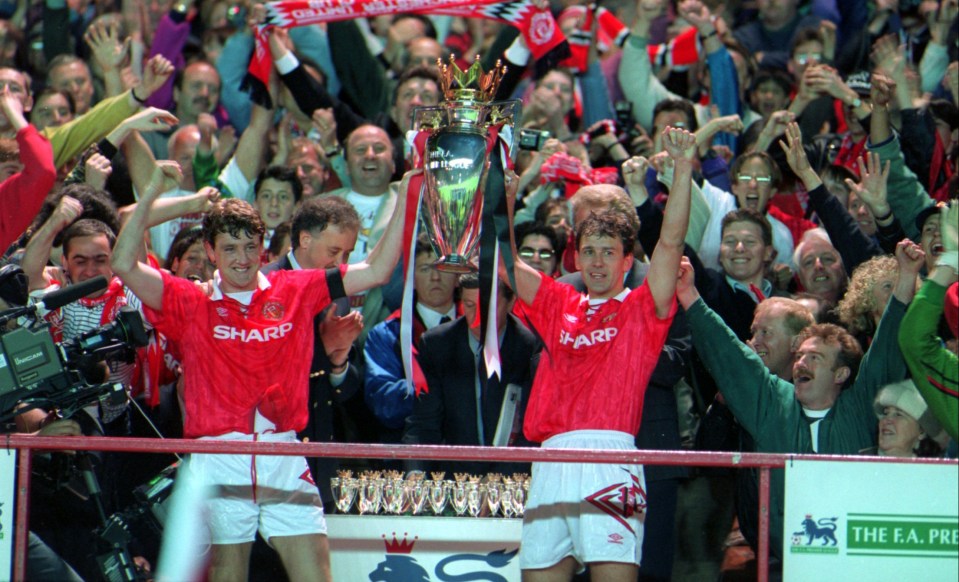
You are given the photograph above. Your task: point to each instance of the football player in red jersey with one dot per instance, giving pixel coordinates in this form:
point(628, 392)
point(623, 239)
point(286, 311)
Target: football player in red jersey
point(246, 351)
point(588, 393)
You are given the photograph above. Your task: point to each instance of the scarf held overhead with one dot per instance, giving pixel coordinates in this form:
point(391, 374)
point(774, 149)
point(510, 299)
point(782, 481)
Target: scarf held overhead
point(538, 27)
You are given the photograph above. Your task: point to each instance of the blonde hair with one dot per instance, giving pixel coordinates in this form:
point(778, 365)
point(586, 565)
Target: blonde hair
point(857, 306)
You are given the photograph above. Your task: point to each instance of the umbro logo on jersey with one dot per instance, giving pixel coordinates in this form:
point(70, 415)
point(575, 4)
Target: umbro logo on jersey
point(225, 332)
point(222, 312)
point(570, 318)
point(615, 538)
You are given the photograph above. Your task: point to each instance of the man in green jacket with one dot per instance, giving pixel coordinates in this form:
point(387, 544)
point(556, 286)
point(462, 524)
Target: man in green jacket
point(827, 408)
point(934, 368)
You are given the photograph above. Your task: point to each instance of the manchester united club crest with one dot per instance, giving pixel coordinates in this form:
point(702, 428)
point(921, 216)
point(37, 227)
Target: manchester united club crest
point(273, 310)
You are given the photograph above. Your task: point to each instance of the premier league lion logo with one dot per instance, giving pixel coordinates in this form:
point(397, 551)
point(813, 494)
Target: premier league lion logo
point(824, 528)
point(399, 566)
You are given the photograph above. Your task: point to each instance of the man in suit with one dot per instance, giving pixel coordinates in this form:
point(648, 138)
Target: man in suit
point(323, 234)
point(461, 405)
point(386, 391)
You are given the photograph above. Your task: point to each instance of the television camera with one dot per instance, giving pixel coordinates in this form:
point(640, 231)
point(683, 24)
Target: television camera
point(37, 372)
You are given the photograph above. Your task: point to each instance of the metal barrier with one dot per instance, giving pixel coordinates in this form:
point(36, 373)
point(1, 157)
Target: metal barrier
point(763, 461)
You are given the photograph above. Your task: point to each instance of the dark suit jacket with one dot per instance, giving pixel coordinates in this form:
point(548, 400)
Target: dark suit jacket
point(659, 426)
point(447, 412)
point(320, 426)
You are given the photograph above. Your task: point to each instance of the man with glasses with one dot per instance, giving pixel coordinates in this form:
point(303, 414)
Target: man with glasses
point(755, 179)
point(387, 393)
point(538, 246)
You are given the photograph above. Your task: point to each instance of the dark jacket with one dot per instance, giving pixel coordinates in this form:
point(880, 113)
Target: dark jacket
point(446, 413)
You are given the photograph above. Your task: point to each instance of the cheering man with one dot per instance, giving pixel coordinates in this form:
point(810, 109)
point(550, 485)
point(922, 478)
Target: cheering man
point(246, 357)
point(600, 350)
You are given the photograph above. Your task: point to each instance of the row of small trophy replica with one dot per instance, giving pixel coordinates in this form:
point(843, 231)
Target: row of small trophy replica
point(389, 493)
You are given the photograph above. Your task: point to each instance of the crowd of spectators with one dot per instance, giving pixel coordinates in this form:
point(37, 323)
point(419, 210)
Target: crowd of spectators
point(821, 247)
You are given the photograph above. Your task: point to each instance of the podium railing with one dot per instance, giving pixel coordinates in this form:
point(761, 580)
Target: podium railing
point(762, 461)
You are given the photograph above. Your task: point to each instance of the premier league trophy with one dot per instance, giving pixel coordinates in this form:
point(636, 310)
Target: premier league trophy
point(461, 131)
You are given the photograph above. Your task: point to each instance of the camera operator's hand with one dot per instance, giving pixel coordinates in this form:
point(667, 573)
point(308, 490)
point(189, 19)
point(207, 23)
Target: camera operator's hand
point(60, 427)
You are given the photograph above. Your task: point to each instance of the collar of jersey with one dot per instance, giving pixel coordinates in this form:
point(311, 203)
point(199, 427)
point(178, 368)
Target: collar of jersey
point(261, 283)
point(596, 303)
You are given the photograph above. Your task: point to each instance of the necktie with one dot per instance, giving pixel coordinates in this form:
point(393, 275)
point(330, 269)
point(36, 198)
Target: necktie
point(757, 293)
point(445, 319)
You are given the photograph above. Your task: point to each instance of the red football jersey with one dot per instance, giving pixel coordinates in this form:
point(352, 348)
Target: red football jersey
point(594, 369)
point(237, 358)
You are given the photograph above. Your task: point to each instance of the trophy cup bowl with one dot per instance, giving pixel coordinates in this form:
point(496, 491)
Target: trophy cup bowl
point(455, 160)
point(453, 204)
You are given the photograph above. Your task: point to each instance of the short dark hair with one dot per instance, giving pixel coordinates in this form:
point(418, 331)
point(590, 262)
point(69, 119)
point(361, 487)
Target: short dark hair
point(753, 216)
point(282, 231)
point(423, 245)
point(47, 92)
point(766, 158)
point(280, 174)
point(804, 35)
point(234, 217)
point(418, 72)
point(543, 210)
point(97, 204)
point(850, 352)
point(471, 281)
point(184, 239)
point(838, 173)
point(525, 229)
point(87, 227)
point(318, 213)
point(776, 76)
point(679, 106)
point(610, 224)
point(945, 111)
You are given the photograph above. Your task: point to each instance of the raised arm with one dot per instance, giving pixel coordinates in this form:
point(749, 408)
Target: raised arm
point(854, 246)
point(36, 255)
point(145, 281)
point(933, 366)
point(664, 264)
point(527, 278)
point(378, 266)
point(22, 194)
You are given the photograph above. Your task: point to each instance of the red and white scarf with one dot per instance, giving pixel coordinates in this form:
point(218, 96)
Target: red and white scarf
point(682, 51)
point(538, 26)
